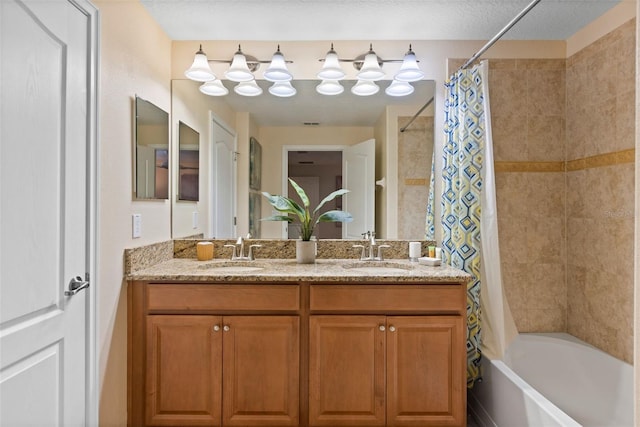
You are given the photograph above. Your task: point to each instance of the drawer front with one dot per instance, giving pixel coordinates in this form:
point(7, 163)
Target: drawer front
point(233, 297)
point(442, 299)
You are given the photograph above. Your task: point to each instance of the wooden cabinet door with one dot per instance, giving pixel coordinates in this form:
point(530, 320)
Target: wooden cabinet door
point(425, 371)
point(261, 371)
point(346, 371)
point(184, 369)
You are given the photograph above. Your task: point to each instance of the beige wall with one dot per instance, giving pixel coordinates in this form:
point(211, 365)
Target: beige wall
point(135, 58)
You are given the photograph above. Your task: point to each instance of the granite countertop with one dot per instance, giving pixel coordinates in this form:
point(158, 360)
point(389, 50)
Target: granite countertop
point(287, 270)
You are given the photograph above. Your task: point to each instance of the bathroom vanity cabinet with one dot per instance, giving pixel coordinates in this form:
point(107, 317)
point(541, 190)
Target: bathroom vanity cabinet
point(297, 352)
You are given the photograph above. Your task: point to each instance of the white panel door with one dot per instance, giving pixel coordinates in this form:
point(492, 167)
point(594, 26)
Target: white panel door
point(223, 209)
point(45, 133)
point(358, 172)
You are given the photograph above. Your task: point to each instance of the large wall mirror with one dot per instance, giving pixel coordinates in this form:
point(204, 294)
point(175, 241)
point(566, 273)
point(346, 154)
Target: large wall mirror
point(188, 163)
point(315, 120)
point(150, 151)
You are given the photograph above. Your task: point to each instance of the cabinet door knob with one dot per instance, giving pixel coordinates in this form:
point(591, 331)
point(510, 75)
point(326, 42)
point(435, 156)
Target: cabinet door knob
point(392, 328)
point(226, 328)
point(382, 328)
point(216, 328)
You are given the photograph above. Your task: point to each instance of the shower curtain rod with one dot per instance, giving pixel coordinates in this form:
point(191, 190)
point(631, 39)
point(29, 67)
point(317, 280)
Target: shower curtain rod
point(416, 115)
point(498, 36)
point(484, 48)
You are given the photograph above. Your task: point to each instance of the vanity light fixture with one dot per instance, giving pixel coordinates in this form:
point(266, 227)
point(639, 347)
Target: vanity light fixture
point(239, 70)
point(399, 88)
point(365, 88)
point(282, 89)
point(277, 70)
point(214, 88)
point(330, 87)
point(200, 70)
point(369, 66)
point(409, 70)
point(331, 70)
point(371, 69)
point(249, 88)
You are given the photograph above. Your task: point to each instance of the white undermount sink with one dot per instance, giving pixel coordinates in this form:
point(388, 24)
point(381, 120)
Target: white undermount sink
point(378, 267)
point(232, 267)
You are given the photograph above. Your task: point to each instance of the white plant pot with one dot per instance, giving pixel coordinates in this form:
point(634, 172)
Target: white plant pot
point(306, 251)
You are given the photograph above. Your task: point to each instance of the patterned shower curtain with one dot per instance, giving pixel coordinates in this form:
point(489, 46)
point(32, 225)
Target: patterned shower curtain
point(463, 156)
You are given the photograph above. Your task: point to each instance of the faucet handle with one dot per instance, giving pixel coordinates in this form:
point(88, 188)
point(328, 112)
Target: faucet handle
point(251, 257)
point(233, 254)
point(362, 256)
point(380, 256)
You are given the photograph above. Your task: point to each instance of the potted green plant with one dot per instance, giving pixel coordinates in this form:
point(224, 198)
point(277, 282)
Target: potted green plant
point(292, 212)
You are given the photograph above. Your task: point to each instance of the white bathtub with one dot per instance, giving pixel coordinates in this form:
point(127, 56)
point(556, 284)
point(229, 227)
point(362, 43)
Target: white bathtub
point(553, 380)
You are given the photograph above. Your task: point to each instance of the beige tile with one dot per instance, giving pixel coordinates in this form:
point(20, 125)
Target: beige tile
point(602, 71)
point(512, 193)
point(545, 240)
point(546, 320)
point(507, 93)
point(575, 194)
point(509, 137)
point(512, 238)
point(548, 288)
point(625, 120)
point(541, 64)
point(545, 138)
point(546, 92)
point(546, 194)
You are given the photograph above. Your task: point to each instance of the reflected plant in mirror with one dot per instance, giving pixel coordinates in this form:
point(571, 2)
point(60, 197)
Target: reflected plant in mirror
point(151, 151)
point(293, 213)
point(188, 163)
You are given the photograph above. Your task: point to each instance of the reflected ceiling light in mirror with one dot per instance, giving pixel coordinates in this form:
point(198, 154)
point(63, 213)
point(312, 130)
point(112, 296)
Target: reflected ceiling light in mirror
point(282, 89)
point(250, 88)
point(200, 70)
point(409, 70)
point(214, 88)
point(330, 87)
point(239, 70)
point(365, 88)
point(331, 69)
point(277, 70)
point(399, 88)
point(371, 69)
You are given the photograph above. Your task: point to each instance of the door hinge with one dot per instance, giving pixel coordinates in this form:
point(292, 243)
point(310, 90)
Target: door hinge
point(235, 220)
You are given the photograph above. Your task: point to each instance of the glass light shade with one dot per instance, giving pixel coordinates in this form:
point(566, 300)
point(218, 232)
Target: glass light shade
point(250, 88)
point(282, 89)
point(277, 70)
point(214, 88)
point(409, 70)
point(330, 87)
point(365, 88)
point(370, 68)
point(399, 88)
point(331, 69)
point(239, 70)
point(200, 70)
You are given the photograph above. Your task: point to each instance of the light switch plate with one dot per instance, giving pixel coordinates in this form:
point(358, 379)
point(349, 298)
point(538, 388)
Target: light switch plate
point(137, 226)
point(194, 219)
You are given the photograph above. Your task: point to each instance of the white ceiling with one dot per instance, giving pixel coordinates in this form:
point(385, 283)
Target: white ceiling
point(283, 20)
point(301, 20)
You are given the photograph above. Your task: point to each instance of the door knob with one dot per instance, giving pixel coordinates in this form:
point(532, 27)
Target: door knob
point(226, 328)
point(382, 328)
point(216, 328)
point(76, 284)
point(392, 328)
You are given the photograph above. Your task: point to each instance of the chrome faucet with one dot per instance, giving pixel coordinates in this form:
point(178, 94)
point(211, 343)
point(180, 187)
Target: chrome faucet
point(371, 236)
point(240, 256)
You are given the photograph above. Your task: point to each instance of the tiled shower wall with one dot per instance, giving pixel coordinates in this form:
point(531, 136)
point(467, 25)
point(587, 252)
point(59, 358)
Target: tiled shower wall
point(563, 133)
point(600, 192)
point(415, 151)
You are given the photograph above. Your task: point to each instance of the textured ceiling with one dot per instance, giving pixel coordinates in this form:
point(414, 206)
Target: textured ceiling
point(371, 19)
